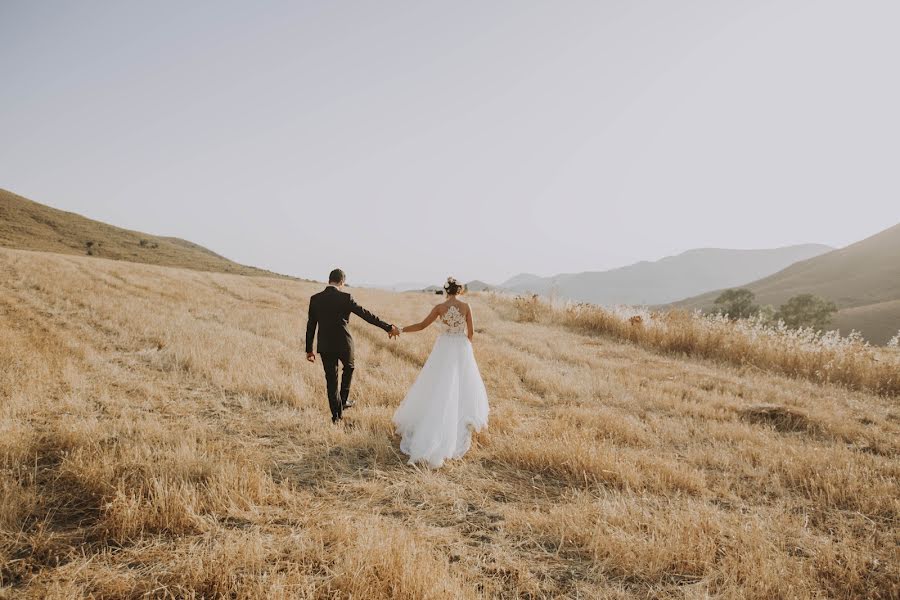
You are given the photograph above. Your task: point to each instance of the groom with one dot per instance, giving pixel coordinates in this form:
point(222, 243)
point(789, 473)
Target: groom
point(330, 310)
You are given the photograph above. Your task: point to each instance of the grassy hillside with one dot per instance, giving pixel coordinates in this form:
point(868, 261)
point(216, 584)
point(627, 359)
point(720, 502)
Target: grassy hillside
point(880, 321)
point(863, 279)
point(161, 435)
point(27, 225)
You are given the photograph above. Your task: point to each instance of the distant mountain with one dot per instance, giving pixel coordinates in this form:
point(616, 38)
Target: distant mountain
point(668, 279)
point(27, 225)
point(479, 286)
point(404, 286)
point(412, 286)
point(521, 281)
point(863, 279)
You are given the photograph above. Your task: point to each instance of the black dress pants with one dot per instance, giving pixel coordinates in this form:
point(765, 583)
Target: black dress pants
point(330, 362)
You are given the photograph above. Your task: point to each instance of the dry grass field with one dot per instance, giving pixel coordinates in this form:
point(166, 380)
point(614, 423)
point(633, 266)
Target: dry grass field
point(161, 436)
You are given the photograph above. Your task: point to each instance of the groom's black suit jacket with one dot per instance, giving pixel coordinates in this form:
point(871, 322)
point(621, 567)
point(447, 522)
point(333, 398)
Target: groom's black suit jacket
point(330, 310)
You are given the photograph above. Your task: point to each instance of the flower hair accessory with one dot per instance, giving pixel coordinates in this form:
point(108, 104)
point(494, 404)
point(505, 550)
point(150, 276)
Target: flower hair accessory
point(451, 283)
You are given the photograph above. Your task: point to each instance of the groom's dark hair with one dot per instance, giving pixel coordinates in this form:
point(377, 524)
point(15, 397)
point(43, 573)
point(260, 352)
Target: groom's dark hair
point(337, 276)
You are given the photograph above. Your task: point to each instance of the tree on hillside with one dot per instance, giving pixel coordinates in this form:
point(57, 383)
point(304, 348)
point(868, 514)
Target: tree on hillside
point(806, 310)
point(767, 313)
point(737, 304)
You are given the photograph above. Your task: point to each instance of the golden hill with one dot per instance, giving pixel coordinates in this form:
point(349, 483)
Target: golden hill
point(162, 436)
point(28, 225)
point(863, 280)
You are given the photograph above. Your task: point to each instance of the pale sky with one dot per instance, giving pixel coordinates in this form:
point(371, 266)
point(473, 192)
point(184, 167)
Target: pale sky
point(408, 141)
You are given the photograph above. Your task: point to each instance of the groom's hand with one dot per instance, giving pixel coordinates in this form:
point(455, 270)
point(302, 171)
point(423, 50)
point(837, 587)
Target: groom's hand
point(394, 332)
point(311, 357)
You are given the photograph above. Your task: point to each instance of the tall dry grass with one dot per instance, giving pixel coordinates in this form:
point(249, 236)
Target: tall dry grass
point(824, 357)
point(161, 436)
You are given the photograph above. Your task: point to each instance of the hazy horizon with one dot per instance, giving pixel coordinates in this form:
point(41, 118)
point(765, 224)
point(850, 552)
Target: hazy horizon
point(411, 142)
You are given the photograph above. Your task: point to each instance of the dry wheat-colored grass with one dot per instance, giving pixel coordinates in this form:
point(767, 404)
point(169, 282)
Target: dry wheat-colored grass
point(821, 357)
point(161, 436)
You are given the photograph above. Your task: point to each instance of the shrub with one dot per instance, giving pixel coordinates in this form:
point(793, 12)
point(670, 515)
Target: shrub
point(530, 308)
point(737, 304)
point(766, 314)
point(806, 310)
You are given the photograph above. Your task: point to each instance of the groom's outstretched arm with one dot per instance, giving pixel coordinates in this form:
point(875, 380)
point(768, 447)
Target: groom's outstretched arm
point(368, 317)
point(311, 322)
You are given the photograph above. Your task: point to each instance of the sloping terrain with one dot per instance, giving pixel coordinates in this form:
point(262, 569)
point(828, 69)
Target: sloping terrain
point(863, 280)
point(878, 322)
point(27, 225)
point(667, 279)
point(162, 436)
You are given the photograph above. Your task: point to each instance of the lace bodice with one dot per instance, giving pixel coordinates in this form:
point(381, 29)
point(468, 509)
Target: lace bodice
point(454, 322)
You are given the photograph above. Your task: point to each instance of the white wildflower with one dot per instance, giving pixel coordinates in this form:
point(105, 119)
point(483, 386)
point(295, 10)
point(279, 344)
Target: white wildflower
point(895, 341)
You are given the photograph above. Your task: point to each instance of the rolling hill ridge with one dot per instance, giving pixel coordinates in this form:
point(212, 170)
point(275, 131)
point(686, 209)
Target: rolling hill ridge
point(29, 225)
point(668, 279)
point(863, 280)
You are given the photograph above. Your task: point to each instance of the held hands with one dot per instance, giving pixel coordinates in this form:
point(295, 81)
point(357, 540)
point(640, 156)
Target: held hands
point(394, 332)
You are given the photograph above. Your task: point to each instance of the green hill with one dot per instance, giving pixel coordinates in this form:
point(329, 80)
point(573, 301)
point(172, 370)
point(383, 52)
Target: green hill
point(28, 225)
point(863, 279)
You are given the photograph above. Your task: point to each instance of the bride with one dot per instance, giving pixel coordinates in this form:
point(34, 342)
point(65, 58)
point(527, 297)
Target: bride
point(448, 399)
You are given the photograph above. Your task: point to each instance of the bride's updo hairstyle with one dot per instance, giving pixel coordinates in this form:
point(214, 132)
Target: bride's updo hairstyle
point(453, 287)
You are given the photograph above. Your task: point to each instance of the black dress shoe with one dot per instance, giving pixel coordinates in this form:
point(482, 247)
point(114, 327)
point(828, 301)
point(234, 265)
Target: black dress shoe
point(348, 404)
point(335, 419)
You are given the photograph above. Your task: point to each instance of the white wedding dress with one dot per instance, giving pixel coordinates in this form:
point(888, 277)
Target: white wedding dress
point(447, 401)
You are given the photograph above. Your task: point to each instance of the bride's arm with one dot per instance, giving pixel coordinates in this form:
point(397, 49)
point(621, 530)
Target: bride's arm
point(470, 325)
point(435, 312)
